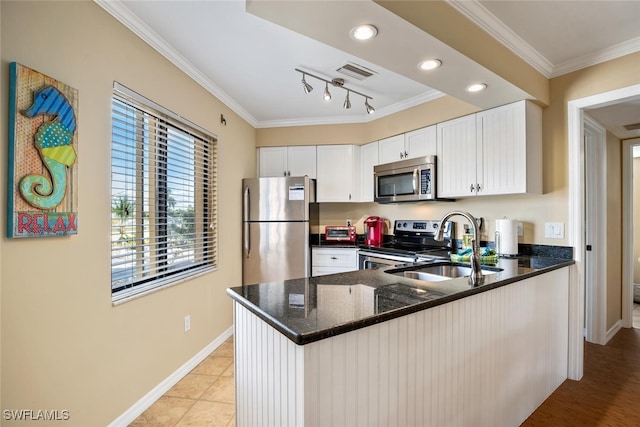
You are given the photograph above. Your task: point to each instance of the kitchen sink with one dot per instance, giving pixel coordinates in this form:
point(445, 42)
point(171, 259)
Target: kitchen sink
point(440, 272)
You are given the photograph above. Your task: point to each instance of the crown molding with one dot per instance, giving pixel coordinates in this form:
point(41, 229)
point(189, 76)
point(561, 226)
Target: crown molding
point(603, 55)
point(487, 21)
point(427, 96)
point(119, 11)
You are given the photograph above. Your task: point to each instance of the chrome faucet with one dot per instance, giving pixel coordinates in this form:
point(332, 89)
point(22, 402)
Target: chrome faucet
point(476, 278)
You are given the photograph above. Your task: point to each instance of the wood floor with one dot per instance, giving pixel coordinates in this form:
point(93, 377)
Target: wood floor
point(607, 395)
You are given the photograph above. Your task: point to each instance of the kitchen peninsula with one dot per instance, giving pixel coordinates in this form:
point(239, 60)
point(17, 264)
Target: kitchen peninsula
point(376, 348)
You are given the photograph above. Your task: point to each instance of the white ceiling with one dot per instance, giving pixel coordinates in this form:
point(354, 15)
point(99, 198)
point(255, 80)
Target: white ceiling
point(248, 62)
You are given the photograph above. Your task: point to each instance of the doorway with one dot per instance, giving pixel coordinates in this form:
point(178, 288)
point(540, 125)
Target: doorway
point(576, 226)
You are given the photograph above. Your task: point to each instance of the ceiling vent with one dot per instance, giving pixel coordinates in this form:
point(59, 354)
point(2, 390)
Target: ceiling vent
point(633, 126)
point(356, 71)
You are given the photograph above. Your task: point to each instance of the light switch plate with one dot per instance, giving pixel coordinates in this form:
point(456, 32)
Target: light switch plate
point(554, 230)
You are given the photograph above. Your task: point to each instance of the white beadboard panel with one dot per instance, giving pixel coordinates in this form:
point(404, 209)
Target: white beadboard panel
point(487, 360)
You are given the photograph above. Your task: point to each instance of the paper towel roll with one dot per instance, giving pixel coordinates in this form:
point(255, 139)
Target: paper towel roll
point(507, 237)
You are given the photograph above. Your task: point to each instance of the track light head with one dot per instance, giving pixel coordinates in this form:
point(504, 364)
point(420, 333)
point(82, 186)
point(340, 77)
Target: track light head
point(370, 109)
point(347, 102)
point(327, 95)
point(306, 86)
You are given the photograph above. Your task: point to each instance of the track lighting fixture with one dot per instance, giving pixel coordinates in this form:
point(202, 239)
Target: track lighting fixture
point(327, 95)
point(347, 103)
point(335, 83)
point(306, 86)
point(370, 109)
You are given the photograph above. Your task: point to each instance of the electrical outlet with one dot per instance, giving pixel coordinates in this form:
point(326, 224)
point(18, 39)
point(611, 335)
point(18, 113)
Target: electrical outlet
point(520, 229)
point(187, 323)
point(349, 224)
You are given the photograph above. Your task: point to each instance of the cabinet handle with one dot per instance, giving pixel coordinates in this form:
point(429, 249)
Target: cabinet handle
point(333, 257)
point(406, 154)
point(285, 173)
point(478, 188)
point(349, 196)
point(401, 155)
point(471, 188)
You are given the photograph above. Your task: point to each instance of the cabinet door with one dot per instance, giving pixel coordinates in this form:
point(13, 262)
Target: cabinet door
point(391, 149)
point(368, 159)
point(421, 142)
point(501, 134)
point(456, 167)
point(336, 178)
point(301, 161)
point(273, 161)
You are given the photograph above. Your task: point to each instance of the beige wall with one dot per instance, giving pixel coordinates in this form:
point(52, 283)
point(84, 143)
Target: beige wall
point(64, 346)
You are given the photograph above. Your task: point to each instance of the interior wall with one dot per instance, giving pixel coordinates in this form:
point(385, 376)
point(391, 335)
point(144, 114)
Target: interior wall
point(64, 346)
point(614, 230)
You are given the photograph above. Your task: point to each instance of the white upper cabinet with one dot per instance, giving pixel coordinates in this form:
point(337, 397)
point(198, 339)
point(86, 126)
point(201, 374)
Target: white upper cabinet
point(497, 151)
point(457, 157)
point(338, 177)
point(511, 141)
point(288, 161)
point(368, 159)
point(420, 142)
point(391, 149)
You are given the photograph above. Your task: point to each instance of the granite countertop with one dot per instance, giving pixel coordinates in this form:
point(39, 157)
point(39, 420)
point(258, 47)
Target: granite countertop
point(311, 309)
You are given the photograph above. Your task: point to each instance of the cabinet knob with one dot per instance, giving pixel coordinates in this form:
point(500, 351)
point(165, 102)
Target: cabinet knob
point(401, 155)
point(406, 154)
point(285, 173)
point(471, 188)
point(478, 188)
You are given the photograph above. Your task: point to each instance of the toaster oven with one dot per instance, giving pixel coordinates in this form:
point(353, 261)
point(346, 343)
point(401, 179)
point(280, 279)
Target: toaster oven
point(340, 233)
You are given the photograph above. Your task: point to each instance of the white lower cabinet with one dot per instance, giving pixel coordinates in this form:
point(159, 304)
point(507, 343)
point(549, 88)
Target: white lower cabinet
point(333, 260)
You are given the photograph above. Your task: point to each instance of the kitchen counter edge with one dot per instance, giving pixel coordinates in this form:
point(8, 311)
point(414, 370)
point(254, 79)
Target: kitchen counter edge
point(309, 337)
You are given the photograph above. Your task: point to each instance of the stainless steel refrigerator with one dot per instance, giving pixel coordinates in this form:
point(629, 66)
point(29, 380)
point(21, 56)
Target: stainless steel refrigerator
point(278, 217)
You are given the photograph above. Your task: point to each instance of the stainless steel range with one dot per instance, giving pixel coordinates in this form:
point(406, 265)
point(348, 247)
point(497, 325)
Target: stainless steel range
point(413, 241)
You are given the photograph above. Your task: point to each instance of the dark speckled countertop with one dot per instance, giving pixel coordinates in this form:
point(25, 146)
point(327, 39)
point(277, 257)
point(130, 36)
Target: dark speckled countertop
point(315, 308)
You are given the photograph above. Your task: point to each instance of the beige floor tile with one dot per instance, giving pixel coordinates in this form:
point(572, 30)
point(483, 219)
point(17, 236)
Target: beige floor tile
point(213, 365)
point(225, 350)
point(222, 390)
point(229, 372)
point(192, 386)
point(210, 414)
point(166, 411)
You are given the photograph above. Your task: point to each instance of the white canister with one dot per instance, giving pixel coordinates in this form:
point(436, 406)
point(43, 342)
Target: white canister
point(507, 237)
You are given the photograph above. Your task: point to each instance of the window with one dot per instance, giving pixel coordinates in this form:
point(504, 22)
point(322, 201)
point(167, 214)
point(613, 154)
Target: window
point(163, 197)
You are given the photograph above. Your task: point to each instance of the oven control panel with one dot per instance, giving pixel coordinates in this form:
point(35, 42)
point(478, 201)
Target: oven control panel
point(417, 226)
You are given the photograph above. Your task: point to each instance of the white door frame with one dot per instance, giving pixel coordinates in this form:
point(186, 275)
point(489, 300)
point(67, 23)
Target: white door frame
point(595, 150)
point(575, 127)
point(628, 260)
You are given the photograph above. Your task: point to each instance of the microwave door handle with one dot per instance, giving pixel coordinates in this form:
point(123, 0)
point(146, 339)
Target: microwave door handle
point(415, 181)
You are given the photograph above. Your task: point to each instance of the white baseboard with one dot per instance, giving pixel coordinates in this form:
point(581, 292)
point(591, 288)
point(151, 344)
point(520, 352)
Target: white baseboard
point(614, 330)
point(149, 399)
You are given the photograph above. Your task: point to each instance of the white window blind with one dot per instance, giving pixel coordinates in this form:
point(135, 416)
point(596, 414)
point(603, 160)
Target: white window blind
point(163, 197)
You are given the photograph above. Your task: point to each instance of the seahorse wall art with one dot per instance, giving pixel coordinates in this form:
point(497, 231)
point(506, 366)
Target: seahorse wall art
point(43, 155)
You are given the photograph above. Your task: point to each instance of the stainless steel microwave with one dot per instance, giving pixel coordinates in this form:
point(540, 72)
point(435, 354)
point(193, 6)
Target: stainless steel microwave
point(410, 180)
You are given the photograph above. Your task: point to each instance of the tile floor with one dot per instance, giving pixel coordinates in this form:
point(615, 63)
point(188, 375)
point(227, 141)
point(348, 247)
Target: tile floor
point(204, 397)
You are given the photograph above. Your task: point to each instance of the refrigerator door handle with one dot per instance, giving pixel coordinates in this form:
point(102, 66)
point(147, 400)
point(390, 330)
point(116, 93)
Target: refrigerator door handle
point(247, 237)
point(246, 204)
point(247, 240)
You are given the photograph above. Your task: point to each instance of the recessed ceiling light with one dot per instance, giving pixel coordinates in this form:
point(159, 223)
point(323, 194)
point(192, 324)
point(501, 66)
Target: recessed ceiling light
point(430, 64)
point(476, 87)
point(364, 32)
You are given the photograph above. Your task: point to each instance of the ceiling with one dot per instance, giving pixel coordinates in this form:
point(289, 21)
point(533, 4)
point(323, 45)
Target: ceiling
point(247, 59)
